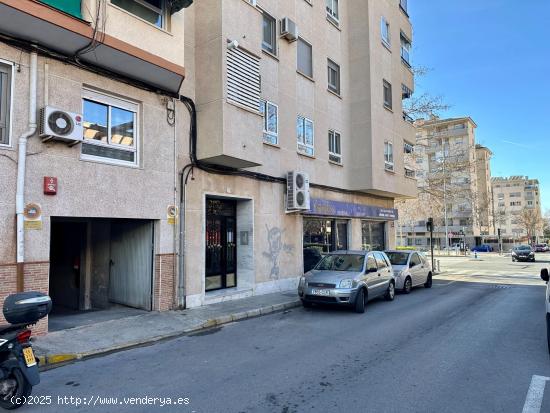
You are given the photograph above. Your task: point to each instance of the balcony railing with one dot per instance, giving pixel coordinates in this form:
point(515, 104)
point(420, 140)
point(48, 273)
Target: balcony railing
point(72, 7)
point(407, 118)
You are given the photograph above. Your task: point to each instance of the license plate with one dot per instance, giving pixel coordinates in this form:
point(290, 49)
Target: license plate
point(29, 357)
point(324, 293)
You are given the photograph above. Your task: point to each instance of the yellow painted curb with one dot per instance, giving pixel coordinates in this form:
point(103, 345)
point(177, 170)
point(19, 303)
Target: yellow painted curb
point(41, 360)
point(60, 358)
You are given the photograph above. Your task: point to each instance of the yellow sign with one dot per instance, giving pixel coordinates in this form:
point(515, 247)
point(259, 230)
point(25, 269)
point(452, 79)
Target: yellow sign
point(33, 224)
point(172, 214)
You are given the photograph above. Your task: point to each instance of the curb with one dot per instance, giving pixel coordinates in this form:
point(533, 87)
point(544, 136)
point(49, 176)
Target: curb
point(49, 361)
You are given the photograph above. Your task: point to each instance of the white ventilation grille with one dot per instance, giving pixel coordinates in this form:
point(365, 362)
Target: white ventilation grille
point(243, 78)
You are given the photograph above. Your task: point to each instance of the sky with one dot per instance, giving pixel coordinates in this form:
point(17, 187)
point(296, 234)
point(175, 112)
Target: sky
point(490, 60)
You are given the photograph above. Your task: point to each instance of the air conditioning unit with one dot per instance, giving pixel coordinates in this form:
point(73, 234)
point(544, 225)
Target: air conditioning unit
point(297, 191)
point(56, 124)
point(289, 30)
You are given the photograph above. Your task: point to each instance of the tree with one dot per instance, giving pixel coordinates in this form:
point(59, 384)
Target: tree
point(424, 105)
point(546, 224)
point(531, 220)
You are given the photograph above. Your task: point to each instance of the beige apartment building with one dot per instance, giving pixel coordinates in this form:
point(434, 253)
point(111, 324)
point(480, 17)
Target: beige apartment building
point(511, 195)
point(454, 186)
point(189, 154)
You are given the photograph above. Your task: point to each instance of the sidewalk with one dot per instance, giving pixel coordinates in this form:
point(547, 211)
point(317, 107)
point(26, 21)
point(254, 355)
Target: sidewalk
point(108, 336)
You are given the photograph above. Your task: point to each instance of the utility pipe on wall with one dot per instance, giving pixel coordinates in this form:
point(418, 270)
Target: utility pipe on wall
point(21, 162)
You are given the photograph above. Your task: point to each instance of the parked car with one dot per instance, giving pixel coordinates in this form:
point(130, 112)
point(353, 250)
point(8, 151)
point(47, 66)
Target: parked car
point(311, 257)
point(523, 253)
point(348, 278)
point(541, 248)
point(410, 268)
point(482, 248)
point(544, 275)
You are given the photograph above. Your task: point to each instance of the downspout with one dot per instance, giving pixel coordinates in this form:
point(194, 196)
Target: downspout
point(21, 162)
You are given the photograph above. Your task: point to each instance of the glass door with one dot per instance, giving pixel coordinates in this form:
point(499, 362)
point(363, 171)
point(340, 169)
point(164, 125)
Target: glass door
point(341, 235)
point(221, 246)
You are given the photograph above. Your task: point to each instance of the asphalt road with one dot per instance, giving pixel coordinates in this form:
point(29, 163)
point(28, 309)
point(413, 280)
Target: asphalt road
point(458, 347)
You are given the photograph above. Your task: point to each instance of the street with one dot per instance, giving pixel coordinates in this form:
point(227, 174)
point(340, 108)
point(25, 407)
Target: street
point(458, 347)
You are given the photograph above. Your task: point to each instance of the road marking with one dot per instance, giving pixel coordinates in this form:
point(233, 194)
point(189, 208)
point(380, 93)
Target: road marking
point(533, 402)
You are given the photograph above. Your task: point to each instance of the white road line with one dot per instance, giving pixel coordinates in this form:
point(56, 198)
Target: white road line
point(533, 402)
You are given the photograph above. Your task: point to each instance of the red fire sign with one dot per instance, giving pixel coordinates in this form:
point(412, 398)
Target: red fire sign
point(50, 185)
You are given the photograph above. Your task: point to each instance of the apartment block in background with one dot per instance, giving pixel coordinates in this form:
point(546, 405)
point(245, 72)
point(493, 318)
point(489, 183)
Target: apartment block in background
point(511, 195)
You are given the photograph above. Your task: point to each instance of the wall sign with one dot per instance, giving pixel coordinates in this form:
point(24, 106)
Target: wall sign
point(172, 214)
point(329, 208)
point(32, 215)
point(50, 185)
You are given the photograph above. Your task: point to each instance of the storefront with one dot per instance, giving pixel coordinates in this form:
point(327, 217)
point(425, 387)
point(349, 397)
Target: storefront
point(335, 225)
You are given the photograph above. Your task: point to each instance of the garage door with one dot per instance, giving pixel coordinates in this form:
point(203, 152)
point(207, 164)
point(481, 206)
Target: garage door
point(131, 272)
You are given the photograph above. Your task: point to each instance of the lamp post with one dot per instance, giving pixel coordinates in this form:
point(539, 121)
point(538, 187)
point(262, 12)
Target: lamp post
point(430, 227)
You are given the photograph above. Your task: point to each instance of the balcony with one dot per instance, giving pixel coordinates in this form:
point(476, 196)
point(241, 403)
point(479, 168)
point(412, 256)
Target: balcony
point(56, 25)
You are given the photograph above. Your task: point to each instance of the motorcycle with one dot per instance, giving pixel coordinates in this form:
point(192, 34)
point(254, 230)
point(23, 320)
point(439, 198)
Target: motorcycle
point(18, 366)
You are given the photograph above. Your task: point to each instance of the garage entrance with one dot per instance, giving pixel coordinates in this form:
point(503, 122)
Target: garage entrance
point(100, 264)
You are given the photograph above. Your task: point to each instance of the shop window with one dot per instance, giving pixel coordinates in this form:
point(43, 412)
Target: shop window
point(325, 235)
point(373, 235)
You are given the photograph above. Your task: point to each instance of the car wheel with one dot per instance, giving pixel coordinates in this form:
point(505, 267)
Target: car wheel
point(306, 304)
point(407, 285)
point(428, 283)
point(513, 260)
point(360, 301)
point(390, 292)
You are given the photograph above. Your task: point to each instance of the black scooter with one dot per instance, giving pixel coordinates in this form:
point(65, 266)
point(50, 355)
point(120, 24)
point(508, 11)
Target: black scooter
point(18, 366)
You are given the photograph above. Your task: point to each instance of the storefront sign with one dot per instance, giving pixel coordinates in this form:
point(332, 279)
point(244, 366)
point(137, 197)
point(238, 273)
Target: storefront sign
point(329, 208)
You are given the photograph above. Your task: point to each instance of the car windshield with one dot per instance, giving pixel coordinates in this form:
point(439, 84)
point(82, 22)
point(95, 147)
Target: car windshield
point(341, 262)
point(398, 258)
point(523, 248)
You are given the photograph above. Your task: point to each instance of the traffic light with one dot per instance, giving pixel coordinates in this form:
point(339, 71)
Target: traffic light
point(430, 224)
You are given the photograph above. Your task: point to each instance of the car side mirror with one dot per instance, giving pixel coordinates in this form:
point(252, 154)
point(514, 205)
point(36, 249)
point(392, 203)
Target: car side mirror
point(544, 274)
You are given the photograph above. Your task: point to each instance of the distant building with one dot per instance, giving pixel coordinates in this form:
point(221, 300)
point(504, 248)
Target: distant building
point(511, 196)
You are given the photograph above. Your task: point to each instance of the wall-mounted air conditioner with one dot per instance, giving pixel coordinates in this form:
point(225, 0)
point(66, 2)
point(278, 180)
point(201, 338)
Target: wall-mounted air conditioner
point(289, 30)
point(56, 124)
point(297, 191)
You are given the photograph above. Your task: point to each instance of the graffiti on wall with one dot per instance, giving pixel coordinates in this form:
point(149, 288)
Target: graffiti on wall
point(276, 248)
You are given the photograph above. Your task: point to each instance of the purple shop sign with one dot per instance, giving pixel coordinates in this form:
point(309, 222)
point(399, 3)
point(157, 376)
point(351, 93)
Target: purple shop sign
point(326, 207)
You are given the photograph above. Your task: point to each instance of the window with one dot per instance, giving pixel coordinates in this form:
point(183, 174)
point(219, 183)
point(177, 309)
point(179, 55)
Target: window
point(403, 5)
point(515, 195)
point(463, 222)
point(110, 129)
point(333, 77)
point(405, 49)
point(500, 196)
point(332, 9)
point(388, 156)
point(408, 148)
point(385, 31)
point(305, 136)
point(387, 94)
point(5, 103)
point(269, 42)
point(152, 11)
point(501, 204)
point(270, 112)
point(334, 147)
point(516, 203)
point(305, 58)
point(409, 173)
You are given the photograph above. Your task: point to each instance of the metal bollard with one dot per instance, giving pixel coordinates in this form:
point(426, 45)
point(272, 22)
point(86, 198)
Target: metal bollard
point(438, 264)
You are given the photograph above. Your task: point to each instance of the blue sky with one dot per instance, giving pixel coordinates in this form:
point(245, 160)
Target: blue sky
point(490, 60)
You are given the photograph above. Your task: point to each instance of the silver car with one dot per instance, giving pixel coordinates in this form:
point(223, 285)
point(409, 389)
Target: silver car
point(410, 268)
point(348, 278)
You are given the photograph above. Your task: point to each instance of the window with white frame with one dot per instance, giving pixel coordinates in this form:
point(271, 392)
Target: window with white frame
point(385, 31)
point(305, 57)
point(5, 103)
point(152, 11)
point(305, 136)
point(110, 129)
point(387, 94)
point(270, 112)
point(269, 41)
point(388, 156)
point(405, 49)
point(332, 10)
point(334, 147)
point(333, 77)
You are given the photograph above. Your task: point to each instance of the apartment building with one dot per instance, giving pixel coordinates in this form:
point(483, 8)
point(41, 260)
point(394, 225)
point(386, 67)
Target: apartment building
point(158, 173)
point(90, 141)
point(453, 174)
point(304, 86)
point(511, 196)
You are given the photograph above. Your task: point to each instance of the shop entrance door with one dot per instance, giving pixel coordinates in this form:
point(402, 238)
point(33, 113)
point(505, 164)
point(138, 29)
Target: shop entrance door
point(341, 235)
point(221, 245)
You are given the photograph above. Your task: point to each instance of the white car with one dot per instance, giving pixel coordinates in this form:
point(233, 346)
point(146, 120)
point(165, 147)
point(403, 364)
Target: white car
point(410, 268)
point(544, 275)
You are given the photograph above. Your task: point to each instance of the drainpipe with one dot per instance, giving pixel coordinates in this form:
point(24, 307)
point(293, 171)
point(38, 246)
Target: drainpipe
point(21, 158)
